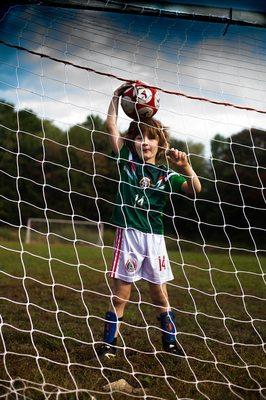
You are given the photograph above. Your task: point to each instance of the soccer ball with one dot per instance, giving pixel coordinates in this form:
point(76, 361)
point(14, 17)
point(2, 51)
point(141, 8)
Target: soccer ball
point(140, 101)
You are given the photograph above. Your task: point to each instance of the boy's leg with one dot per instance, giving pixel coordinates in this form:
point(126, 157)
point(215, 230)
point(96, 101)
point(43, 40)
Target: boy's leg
point(127, 261)
point(120, 295)
point(166, 317)
point(159, 297)
point(126, 266)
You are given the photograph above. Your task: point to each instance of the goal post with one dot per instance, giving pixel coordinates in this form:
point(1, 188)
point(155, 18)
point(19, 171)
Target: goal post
point(92, 234)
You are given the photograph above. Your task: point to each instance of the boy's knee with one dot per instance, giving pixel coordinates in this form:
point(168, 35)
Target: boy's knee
point(120, 294)
point(119, 300)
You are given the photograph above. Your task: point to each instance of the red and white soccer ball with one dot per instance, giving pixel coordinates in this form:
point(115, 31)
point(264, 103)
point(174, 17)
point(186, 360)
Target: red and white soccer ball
point(140, 101)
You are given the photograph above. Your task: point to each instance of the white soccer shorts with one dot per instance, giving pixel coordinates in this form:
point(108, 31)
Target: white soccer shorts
point(139, 255)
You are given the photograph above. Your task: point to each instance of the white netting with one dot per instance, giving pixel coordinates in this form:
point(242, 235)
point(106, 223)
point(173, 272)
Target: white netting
point(63, 65)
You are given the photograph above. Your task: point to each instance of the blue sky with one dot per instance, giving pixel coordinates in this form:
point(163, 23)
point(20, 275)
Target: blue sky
point(254, 5)
point(185, 56)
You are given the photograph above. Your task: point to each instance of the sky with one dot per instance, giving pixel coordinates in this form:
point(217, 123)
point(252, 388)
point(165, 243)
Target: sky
point(251, 5)
point(190, 57)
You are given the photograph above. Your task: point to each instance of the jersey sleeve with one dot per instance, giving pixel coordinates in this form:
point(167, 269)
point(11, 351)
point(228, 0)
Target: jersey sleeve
point(175, 182)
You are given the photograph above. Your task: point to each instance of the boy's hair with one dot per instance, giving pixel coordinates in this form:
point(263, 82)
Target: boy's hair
point(154, 129)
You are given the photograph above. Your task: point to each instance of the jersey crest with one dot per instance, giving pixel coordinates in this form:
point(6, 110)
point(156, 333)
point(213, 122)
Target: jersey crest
point(145, 182)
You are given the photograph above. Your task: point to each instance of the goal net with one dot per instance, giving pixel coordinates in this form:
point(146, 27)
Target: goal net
point(59, 68)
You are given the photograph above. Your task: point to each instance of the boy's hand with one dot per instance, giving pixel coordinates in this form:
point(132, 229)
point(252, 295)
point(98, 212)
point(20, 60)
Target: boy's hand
point(120, 90)
point(179, 158)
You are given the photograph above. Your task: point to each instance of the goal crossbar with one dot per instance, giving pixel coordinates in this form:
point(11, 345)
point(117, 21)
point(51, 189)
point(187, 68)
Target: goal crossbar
point(164, 8)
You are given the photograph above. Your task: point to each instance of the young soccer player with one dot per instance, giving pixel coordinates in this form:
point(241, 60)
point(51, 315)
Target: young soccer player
point(139, 249)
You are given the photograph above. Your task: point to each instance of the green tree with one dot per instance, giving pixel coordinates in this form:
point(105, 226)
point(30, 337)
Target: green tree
point(23, 156)
point(238, 182)
point(73, 171)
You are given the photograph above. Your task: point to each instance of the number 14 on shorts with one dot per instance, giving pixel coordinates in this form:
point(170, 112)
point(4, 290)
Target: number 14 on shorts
point(162, 263)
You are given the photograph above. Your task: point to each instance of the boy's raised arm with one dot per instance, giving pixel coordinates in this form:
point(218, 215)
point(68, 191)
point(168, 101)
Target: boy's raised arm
point(111, 122)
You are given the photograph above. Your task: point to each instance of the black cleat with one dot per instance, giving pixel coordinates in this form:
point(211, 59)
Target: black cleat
point(173, 348)
point(106, 350)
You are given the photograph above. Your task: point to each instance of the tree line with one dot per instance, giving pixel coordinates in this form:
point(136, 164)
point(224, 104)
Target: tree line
point(45, 171)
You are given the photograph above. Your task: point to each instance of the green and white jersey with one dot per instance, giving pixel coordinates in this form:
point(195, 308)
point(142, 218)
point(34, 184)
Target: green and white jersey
point(142, 193)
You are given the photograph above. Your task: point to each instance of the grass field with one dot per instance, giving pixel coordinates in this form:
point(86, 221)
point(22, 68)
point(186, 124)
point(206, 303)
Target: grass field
point(53, 300)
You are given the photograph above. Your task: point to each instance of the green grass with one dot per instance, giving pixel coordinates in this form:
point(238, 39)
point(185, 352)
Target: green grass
point(53, 300)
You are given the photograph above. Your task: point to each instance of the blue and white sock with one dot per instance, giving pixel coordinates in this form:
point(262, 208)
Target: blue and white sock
point(168, 326)
point(110, 328)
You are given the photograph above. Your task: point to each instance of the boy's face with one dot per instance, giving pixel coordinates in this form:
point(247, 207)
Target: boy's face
point(146, 147)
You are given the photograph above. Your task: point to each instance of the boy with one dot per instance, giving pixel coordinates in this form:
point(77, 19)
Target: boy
point(139, 250)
